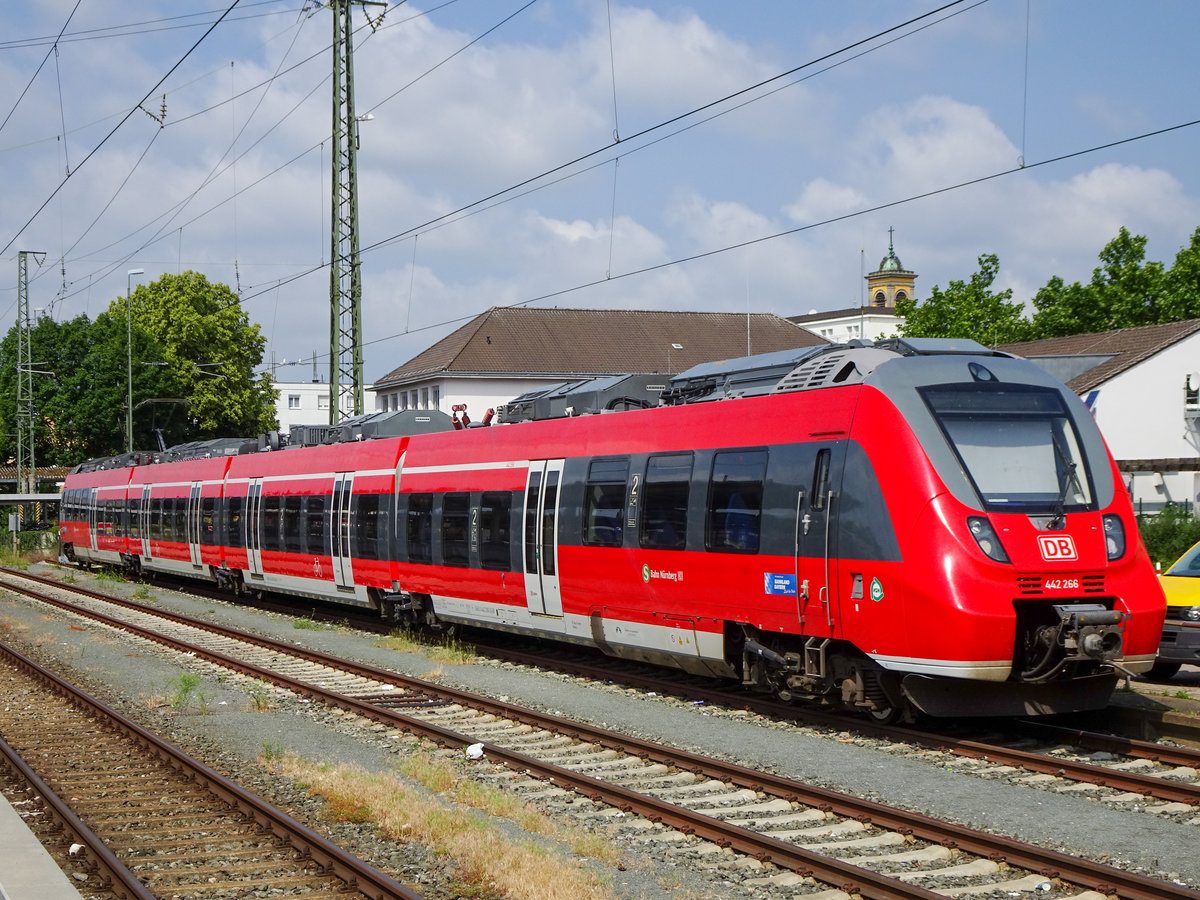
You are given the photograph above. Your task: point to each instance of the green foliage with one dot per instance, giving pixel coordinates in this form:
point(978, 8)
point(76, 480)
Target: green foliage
point(1125, 291)
point(967, 310)
point(193, 355)
point(1168, 534)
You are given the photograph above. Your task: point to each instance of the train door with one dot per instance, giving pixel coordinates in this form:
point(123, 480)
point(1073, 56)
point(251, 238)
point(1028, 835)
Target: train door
point(144, 515)
point(193, 524)
point(343, 563)
point(542, 492)
point(254, 528)
point(816, 559)
point(93, 516)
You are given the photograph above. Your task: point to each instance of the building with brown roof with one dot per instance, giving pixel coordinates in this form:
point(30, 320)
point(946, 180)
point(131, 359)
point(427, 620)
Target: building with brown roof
point(504, 352)
point(1143, 387)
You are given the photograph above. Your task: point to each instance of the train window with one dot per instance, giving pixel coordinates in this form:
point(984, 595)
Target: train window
point(269, 539)
point(531, 505)
point(455, 512)
point(290, 524)
point(549, 510)
point(364, 540)
point(419, 528)
point(235, 529)
point(735, 501)
point(180, 529)
point(665, 501)
point(495, 530)
point(134, 518)
point(604, 502)
point(316, 526)
point(208, 520)
point(154, 532)
point(820, 485)
point(1017, 444)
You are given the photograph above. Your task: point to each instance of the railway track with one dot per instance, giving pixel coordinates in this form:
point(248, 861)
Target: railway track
point(1125, 771)
point(850, 844)
point(151, 821)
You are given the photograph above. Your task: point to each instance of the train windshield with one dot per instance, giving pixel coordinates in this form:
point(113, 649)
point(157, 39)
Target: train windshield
point(1018, 445)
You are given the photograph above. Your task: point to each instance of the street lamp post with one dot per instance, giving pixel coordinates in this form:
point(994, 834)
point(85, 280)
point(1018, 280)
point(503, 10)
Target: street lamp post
point(129, 360)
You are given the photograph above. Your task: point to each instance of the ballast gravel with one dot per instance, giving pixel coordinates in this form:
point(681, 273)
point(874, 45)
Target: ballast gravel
point(233, 738)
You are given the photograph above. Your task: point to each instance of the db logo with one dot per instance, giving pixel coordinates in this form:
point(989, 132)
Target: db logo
point(1056, 547)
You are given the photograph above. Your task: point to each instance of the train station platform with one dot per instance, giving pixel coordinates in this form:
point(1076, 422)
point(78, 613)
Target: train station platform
point(27, 872)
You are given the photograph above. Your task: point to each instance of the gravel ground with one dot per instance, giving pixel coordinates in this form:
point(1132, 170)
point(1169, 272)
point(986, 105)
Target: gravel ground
point(1157, 845)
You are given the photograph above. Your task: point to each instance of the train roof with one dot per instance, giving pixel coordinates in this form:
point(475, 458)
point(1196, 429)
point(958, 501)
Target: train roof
point(802, 368)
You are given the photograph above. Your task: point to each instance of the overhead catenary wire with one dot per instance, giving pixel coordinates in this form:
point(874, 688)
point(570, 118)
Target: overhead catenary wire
point(117, 127)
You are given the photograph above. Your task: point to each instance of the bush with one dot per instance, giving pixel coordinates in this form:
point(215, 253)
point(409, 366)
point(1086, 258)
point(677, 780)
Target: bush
point(1169, 533)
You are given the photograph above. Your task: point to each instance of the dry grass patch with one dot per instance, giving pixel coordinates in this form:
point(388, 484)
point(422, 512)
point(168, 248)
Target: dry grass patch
point(484, 856)
point(447, 650)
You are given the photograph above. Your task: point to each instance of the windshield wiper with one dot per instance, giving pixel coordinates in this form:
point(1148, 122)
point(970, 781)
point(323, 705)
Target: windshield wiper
point(1060, 506)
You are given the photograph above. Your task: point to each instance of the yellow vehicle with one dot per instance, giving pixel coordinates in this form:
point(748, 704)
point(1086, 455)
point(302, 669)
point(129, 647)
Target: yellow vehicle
point(1180, 641)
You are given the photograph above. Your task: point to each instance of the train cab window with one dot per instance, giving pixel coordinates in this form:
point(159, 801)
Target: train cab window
point(419, 528)
point(316, 526)
point(604, 502)
point(290, 523)
point(235, 529)
point(495, 530)
point(665, 501)
point(735, 493)
point(456, 509)
point(208, 520)
point(364, 539)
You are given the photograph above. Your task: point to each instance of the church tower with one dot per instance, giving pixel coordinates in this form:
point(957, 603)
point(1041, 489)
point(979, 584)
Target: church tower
point(891, 281)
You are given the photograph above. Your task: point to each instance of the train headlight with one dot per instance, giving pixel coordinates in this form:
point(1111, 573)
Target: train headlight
point(986, 537)
point(1114, 537)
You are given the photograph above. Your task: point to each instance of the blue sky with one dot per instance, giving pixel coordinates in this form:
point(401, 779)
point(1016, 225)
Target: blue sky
point(808, 175)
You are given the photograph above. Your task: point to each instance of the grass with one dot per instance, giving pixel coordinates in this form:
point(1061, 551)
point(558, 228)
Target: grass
point(448, 650)
point(487, 860)
point(259, 693)
point(185, 691)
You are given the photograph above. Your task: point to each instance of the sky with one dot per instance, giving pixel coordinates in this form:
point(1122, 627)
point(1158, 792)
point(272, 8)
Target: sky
point(708, 156)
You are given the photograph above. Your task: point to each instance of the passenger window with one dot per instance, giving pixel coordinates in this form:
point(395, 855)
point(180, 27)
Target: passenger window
point(291, 524)
point(419, 528)
point(208, 517)
point(455, 511)
point(495, 530)
point(604, 502)
point(235, 534)
point(316, 526)
point(365, 539)
point(665, 501)
point(735, 496)
point(270, 522)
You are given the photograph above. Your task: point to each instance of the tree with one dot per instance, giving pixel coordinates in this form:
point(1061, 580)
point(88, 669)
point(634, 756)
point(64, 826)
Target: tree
point(210, 350)
point(967, 310)
point(1124, 292)
point(1181, 284)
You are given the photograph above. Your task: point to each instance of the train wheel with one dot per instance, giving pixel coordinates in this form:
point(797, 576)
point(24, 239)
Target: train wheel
point(888, 715)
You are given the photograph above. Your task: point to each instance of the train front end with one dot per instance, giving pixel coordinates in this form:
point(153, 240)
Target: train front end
point(1028, 590)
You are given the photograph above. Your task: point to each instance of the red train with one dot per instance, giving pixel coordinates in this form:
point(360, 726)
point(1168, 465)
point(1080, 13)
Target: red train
point(923, 524)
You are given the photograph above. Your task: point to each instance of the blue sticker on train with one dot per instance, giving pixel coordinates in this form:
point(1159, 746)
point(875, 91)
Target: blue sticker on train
point(776, 583)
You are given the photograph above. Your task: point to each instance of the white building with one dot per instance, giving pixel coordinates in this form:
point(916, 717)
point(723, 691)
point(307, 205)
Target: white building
point(1143, 387)
point(307, 403)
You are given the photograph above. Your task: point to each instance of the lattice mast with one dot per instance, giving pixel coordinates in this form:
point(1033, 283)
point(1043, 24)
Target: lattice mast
point(26, 467)
point(345, 279)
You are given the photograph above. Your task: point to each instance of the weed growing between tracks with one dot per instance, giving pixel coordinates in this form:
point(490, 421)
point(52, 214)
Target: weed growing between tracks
point(490, 861)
